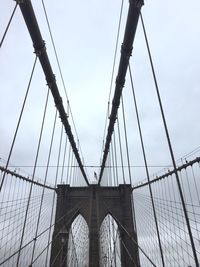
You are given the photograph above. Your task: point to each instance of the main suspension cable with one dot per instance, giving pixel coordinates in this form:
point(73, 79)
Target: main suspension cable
point(60, 71)
point(113, 69)
point(40, 49)
point(126, 50)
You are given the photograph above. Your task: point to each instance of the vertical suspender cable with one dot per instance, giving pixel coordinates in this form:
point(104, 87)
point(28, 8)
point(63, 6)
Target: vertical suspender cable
point(109, 171)
point(126, 141)
point(113, 68)
point(69, 157)
point(129, 169)
point(113, 163)
point(54, 195)
point(170, 147)
point(33, 177)
point(60, 146)
point(120, 146)
point(70, 172)
point(115, 152)
point(115, 54)
point(40, 49)
point(146, 167)
point(45, 180)
point(64, 157)
point(69, 111)
point(18, 123)
point(73, 171)
point(126, 50)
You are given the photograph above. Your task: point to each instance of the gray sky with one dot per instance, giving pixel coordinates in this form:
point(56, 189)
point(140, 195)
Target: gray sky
point(85, 36)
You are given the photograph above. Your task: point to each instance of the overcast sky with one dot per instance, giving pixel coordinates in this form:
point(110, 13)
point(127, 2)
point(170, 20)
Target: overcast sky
point(85, 36)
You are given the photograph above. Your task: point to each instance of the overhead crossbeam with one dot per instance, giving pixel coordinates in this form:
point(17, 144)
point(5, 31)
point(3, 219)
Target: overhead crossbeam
point(126, 50)
point(40, 50)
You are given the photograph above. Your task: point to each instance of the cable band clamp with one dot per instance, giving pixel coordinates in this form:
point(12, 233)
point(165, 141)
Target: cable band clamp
point(125, 52)
point(137, 3)
point(19, 2)
point(39, 51)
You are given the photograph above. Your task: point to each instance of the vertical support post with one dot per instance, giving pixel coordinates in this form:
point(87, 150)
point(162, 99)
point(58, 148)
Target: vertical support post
point(118, 203)
point(93, 229)
point(129, 250)
point(61, 233)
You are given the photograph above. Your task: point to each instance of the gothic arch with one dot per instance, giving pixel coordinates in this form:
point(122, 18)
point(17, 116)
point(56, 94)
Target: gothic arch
point(109, 242)
point(78, 243)
point(94, 203)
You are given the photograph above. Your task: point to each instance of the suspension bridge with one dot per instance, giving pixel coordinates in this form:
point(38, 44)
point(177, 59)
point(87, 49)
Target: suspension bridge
point(55, 210)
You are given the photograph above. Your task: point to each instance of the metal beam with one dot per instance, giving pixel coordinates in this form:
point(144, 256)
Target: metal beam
point(40, 49)
point(126, 50)
point(169, 173)
point(27, 179)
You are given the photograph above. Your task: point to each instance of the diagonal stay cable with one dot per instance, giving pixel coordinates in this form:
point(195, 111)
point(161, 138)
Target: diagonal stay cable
point(121, 155)
point(46, 175)
point(146, 165)
point(169, 144)
point(75, 211)
point(8, 25)
point(61, 74)
point(112, 75)
point(43, 232)
point(115, 248)
point(33, 175)
point(127, 250)
point(60, 71)
point(54, 195)
point(124, 229)
point(125, 247)
point(126, 141)
point(53, 261)
point(113, 68)
point(18, 124)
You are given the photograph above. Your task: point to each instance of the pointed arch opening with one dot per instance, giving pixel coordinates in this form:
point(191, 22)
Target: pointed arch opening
point(109, 243)
point(78, 243)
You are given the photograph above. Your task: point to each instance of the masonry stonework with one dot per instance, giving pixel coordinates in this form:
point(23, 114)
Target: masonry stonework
point(94, 203)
